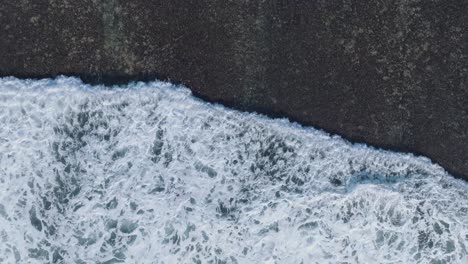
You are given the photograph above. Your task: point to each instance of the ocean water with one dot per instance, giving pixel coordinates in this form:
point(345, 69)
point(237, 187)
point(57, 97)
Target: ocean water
point(147, 173)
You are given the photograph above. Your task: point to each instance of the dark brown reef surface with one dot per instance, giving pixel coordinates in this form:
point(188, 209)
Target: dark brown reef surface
point(393, 74)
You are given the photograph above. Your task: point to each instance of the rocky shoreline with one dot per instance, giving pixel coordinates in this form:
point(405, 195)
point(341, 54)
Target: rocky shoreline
point(393, 74)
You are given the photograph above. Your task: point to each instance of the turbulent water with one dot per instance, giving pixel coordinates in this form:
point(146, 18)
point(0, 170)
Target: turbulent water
point(148, 174)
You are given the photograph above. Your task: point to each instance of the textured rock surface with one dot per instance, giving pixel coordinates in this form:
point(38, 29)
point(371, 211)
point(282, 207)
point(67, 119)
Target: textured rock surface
point(389, 73)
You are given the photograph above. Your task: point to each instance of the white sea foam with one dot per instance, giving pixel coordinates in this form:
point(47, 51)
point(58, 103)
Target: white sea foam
point(149, 174)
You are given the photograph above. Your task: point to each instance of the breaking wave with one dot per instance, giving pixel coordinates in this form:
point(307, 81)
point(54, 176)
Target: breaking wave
point(147, 173)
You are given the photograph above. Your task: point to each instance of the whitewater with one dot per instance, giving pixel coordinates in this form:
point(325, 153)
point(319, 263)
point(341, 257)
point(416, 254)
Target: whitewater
point(147, 173)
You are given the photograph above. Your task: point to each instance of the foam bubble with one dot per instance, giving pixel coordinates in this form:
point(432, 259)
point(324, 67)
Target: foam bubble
point(146, 173)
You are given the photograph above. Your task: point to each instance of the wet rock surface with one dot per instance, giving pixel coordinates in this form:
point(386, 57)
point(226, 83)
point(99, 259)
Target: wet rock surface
point(389, 73)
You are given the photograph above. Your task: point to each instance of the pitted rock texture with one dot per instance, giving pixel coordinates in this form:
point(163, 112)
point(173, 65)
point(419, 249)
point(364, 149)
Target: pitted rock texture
point(390, 73)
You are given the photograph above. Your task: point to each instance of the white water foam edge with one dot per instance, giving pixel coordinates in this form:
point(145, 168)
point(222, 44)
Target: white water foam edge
point(147, 173)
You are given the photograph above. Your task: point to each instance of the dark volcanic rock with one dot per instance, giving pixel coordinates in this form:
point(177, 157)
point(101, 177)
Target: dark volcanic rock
point(390, 73)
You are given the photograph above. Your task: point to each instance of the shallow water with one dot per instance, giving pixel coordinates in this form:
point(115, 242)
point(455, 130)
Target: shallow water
point(148, 174)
